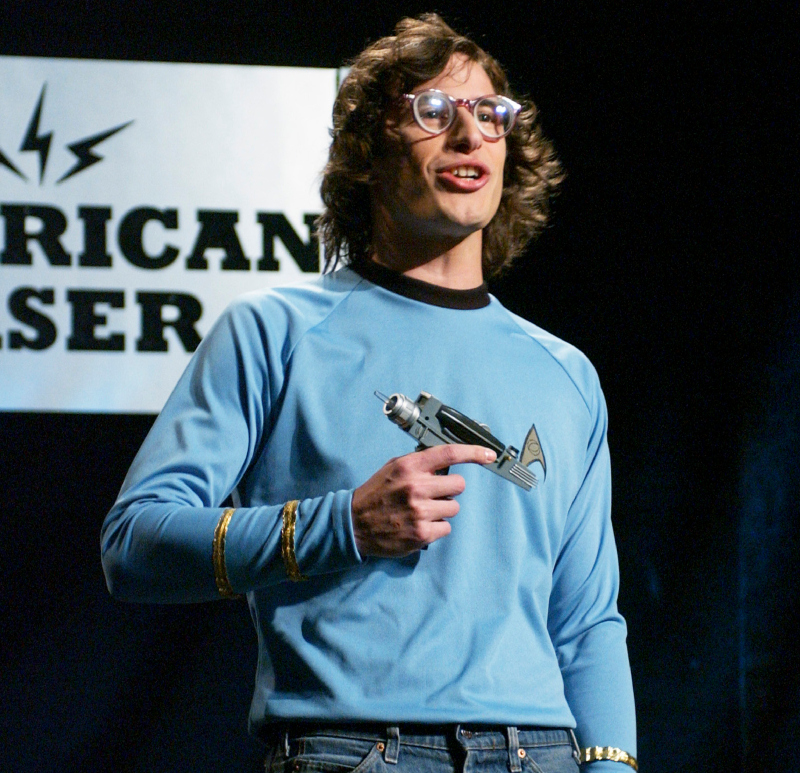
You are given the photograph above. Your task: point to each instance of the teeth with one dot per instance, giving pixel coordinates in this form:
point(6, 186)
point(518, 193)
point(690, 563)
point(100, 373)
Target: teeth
point(466, 171)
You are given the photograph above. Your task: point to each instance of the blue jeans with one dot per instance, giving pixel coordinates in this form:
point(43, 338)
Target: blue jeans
point(453, 750)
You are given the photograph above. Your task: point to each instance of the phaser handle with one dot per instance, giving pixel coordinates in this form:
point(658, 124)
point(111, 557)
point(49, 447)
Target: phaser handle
point(431, 423)
point(466, 430)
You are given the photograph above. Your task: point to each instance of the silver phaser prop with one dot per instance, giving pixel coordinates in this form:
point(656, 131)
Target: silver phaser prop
point(431, 423)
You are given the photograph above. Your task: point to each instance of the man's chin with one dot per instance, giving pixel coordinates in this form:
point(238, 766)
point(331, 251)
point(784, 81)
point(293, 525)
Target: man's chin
point(453, 231)
point(464, 226)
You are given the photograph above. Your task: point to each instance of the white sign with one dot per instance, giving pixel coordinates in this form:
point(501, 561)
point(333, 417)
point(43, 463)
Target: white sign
point(136, 200)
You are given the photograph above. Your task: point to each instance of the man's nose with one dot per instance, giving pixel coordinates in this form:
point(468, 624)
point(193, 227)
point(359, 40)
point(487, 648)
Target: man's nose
point(464, 134)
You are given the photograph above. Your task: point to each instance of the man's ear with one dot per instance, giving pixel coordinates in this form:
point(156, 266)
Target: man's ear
point(391, 130)
point(394, 118)
point(390, 143)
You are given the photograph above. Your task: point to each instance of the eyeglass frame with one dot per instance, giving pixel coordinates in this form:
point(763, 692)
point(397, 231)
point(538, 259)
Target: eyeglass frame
point(470, 104)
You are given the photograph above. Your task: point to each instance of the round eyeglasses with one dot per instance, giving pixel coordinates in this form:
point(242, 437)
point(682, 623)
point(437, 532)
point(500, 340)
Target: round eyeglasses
point(435, 112)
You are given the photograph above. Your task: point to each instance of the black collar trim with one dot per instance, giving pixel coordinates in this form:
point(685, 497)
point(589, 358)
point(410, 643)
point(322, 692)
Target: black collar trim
point(417, 290)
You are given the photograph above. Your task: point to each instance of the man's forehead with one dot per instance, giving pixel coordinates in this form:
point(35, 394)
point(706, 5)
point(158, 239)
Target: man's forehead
point(458, 71)
point(459, 68)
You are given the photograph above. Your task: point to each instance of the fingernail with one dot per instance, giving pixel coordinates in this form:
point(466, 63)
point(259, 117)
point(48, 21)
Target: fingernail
point(490, 455)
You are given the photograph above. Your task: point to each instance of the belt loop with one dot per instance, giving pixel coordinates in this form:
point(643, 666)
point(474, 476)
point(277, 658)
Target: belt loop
point(285, 735)
point(392, 752)
point(576, 749)
point(514, 760)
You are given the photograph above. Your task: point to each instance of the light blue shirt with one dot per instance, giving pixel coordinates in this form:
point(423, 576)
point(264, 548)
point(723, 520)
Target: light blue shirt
point(511, 619)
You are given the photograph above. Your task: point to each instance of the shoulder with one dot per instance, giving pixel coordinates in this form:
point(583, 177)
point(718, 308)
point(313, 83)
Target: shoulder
point(287, 312)
point(561, 355)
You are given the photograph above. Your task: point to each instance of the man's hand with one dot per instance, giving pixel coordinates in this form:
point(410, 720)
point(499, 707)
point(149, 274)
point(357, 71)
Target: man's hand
point(405, 505)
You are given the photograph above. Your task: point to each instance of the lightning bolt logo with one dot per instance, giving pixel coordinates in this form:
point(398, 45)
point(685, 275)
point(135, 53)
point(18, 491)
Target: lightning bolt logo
point(82, 150)
point(6, 163)
point(35, 142)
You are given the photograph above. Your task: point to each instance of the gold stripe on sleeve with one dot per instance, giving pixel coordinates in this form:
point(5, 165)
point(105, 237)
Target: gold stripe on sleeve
point(287, 541)
point(218, 556)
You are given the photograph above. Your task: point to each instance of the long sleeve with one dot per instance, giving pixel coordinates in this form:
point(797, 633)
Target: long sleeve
point(587, 630)
point(157, 539)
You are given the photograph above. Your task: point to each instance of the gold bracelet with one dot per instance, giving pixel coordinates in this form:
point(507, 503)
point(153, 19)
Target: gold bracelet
point(595, 753)
point(218, 556)
point(287, 541)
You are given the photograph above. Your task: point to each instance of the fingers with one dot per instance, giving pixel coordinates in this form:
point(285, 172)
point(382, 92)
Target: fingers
point(439, 457)
point(427, 508)
point(431, 531)
point(405, 505)
point(432, 486)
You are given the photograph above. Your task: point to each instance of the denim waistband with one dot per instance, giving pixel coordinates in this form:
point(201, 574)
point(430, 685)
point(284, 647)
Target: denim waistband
point(436, 736)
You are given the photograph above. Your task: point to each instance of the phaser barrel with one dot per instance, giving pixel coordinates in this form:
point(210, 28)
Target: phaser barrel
point(432, 423)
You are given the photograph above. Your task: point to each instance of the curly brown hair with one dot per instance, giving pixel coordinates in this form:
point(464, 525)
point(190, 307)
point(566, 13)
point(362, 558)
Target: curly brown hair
point(420, 50)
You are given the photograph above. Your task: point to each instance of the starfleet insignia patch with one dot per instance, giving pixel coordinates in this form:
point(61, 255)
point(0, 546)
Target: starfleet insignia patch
point(532, 450)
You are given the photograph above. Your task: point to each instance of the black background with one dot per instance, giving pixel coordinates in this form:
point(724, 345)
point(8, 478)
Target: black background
point(670, 262)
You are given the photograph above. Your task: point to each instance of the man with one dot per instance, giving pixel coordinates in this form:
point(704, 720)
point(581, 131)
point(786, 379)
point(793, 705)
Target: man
point(408, 619)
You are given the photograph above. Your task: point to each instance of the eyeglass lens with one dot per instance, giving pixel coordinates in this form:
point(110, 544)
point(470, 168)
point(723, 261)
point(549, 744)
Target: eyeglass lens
point(435, 112)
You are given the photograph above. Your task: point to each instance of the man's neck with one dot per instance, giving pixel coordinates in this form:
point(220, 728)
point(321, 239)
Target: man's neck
point(454, 265)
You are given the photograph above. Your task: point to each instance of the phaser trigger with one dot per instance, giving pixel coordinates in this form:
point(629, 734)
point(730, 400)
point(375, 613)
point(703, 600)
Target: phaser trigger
point(431, 423)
